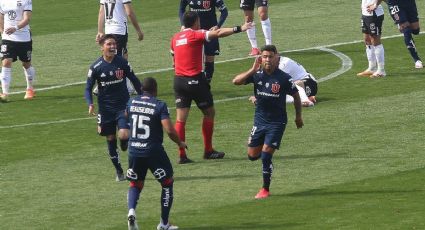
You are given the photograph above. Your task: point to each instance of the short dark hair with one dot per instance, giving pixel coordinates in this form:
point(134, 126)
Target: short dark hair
point(106, 37)
point(189, 18)
point(150, 85)
point(270, 48)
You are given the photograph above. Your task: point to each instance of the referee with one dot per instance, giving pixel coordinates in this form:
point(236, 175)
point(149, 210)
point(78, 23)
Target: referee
point(190, 82)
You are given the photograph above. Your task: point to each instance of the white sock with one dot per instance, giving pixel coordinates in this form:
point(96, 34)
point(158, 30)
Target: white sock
point(29, 76)
point(251, 36)
point(380, 57)
point(371, 58)
point(6, 78)
point(289, 99)
point(267, 30)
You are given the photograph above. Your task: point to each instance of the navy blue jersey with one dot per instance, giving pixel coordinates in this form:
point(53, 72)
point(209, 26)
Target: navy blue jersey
point(110, 78)
point(146, 135)
point(270, 92)
point(402, 2)
point(206, 11)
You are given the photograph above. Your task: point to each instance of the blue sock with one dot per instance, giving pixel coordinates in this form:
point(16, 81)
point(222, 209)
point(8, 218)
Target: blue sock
point(410, 44)
point(166, 202)
point(267, 169)
point(113, 154)
point(132, 197)
point(209, 70)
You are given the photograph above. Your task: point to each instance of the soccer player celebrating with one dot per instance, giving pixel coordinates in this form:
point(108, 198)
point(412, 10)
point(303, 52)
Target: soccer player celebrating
point(208, 20)
point(148, 117)
point(189, 81)
point(110, 72)
point(262, 7)
point(372, 18)
point(15, 16)
point(405, 15)
point(271, 85)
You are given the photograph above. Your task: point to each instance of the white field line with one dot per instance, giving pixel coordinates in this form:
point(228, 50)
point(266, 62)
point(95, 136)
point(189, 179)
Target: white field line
point(224, 61)
point(345, 66)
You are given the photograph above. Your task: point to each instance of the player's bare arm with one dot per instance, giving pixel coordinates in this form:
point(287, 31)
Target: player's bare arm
point(298, 108)
point(24, 22)
point(373, 6)
point(130, 13)
point(1, 23)
point(100, 24)
point(240, 79)
point(172, 134)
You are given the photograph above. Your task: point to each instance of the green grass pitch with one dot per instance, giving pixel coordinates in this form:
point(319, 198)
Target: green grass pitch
point(357, 164)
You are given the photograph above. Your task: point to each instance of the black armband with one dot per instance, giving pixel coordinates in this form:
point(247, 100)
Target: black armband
point(237, 29)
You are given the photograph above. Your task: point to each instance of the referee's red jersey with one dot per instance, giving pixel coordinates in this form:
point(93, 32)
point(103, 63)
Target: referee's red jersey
point(188, 49)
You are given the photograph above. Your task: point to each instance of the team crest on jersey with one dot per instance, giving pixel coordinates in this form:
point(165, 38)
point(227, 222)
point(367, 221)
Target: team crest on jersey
point(275, 88)
point(119, 73)
point(19, 3)
point(11, 15)
point(206, 4)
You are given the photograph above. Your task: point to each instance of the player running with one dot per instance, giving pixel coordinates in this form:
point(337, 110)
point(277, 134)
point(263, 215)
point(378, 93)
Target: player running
point(110, 73)
point(271, 85)
point(405, 15)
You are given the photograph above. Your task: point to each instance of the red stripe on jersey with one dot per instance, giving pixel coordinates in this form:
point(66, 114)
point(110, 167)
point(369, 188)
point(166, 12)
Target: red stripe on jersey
point(188, 49)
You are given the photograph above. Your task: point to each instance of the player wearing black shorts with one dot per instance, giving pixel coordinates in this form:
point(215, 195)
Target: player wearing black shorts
point(148, 117)
point(271, 85)
point(372, 18)
point(16, 44)
point(110, 73)
point(405, 15)
point(206, 10)
point(262, 7)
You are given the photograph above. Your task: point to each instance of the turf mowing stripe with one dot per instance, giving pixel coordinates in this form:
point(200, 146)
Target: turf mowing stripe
point(224, 61)
point(345, 66)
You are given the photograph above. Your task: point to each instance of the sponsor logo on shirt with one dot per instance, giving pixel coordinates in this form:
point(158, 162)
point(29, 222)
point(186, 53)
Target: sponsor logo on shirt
point(181, 42)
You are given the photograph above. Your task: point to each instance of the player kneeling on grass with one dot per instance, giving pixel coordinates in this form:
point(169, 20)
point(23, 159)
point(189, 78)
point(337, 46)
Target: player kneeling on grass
point(148, 117)
point(271, 85)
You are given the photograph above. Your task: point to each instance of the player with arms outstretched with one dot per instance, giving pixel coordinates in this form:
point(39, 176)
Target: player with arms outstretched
point(110, 73)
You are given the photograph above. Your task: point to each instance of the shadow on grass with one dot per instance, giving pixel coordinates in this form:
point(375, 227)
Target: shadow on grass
point(213, 177)
point(246, 225)
point(292, 157)
point(322, 192)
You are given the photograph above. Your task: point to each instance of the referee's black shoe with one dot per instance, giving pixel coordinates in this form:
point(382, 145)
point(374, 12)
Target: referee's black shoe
point(214, 155)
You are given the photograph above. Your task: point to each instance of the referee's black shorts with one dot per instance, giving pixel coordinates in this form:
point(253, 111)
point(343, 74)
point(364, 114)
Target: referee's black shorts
point(194, 88)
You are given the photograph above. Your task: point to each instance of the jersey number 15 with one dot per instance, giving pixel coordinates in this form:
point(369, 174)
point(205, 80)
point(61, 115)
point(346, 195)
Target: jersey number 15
point(138, 125)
